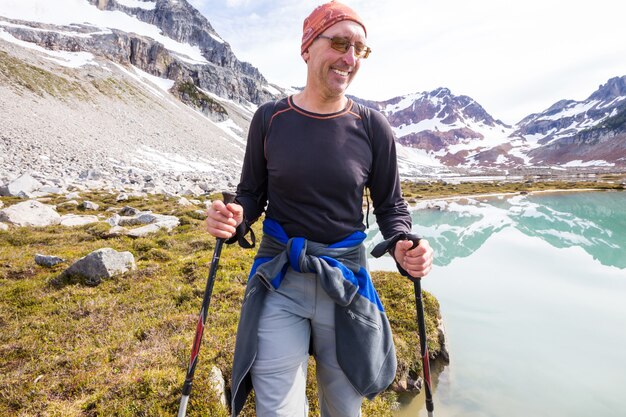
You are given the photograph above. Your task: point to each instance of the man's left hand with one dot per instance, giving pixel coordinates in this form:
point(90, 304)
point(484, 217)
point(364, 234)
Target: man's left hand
point(418, 261)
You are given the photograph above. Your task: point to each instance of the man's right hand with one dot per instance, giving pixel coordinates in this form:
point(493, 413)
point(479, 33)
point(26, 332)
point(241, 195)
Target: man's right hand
point(222, 220)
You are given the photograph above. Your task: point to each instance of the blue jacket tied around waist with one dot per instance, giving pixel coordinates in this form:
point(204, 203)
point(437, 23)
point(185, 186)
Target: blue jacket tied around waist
point(365, 349)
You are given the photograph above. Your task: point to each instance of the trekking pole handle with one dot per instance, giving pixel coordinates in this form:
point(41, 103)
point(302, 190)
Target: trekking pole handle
point(416, 241)
point(228, 197)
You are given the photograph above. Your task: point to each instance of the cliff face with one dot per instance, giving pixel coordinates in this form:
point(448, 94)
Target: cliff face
point(176, 42)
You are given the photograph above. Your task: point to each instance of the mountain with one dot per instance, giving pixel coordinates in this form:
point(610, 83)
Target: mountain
point(449, 128)
point(99, 86)
point(457, 132)
point(588, 131)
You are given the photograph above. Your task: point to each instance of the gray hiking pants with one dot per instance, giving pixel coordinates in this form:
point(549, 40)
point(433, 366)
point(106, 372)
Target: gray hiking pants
point(298, 312)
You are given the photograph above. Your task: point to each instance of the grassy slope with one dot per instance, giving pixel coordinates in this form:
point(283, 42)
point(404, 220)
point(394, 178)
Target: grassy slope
point(121, 348)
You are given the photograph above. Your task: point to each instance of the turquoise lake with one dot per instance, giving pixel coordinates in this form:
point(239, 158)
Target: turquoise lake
point(533, 295)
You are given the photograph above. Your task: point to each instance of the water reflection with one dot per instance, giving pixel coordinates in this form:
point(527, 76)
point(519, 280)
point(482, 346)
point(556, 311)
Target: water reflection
point(532, 292)
point(594, 221)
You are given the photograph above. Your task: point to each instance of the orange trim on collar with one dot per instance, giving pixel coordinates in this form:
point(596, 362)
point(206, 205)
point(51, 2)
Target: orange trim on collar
point(303, 112)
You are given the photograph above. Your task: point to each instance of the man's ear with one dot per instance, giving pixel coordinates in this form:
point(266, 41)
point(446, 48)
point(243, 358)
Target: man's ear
point(305, 55)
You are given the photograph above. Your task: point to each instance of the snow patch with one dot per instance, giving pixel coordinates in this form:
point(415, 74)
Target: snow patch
point(64, 58)
point(72, 12)
point(579, 163)
point(146, 5)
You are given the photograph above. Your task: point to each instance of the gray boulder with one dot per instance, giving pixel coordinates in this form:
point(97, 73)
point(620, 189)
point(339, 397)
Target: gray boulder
point(128, 211)
point(217, 382)
point(22, 186)
point(76, 220)
point(163, 222)
point(30, 213)
point(101, 264)
point(90, 205)
point(50, 189)
point(91, 174)
point(48, 260)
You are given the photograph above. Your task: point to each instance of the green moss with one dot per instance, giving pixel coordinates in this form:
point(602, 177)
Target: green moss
point(190, 93)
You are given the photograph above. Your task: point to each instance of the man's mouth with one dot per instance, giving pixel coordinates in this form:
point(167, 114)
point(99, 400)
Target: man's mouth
point(341, 72)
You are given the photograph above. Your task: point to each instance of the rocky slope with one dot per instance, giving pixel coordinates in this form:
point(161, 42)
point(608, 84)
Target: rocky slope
point(127, 93)
point(109, 125)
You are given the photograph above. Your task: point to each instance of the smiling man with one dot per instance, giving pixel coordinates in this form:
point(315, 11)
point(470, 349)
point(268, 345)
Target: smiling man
point(308, 161)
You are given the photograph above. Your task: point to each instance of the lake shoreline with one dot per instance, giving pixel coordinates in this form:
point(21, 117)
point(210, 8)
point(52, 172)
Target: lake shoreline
point(508, 194)
point(416, 191)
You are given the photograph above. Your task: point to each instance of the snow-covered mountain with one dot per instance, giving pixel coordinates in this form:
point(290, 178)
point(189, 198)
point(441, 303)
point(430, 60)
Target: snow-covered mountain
point(457, 132)
point(588, 132)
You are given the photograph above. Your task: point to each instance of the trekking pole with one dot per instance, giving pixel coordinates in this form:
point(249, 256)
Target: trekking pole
point(421, 327)
point(195, 349)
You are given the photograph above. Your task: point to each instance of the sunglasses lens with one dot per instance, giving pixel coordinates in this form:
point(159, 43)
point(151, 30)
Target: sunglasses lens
point(343, 45)
point(340, 44)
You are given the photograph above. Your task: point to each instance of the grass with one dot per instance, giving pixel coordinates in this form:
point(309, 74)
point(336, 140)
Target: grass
point(122, 348)
point(414, 191)
point(38, 80)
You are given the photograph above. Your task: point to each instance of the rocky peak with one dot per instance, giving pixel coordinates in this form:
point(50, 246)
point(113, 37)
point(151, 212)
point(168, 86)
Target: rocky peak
point(614, 88)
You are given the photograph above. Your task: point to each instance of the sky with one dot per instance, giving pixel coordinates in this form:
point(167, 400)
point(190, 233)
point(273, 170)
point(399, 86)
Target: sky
point(513, 58)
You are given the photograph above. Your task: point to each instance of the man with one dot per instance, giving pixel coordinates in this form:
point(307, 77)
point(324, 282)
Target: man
point(309, 158)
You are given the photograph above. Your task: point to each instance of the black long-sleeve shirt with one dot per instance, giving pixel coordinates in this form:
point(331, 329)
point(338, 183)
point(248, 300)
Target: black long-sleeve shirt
point(311, 170)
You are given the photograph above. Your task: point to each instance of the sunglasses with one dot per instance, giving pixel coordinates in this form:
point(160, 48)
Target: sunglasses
point(343, 45)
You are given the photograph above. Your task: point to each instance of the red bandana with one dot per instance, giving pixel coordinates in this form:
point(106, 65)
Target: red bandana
point(322, 18)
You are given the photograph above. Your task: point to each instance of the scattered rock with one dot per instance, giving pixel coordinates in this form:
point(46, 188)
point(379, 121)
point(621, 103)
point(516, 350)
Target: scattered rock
point(116, 231)
point(30, 213)
point(50, 189)
point(72, 203)
point(128, 211)
point(193, 190)
point(147, 217)
point(76, 220)
point(184, 202)
point(100, 264)
point(216, 381)
point(407, 384)
point(4, 227)
point(22, 186)
point(151, 228)
point(443, 340)
point(48, 260)
point(90, 205)
point(114, 220)
point(90, 174)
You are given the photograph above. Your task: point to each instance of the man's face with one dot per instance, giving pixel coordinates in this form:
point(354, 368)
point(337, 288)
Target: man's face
point(330, 72)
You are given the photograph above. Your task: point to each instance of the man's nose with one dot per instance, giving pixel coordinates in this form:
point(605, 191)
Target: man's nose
point(349, 56)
